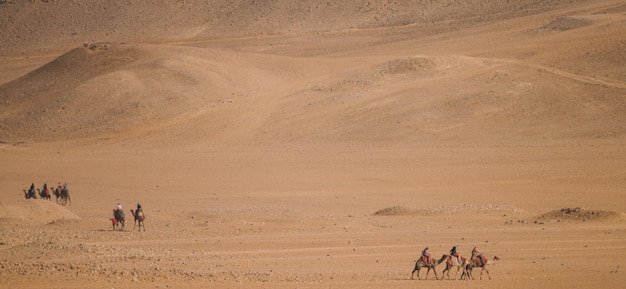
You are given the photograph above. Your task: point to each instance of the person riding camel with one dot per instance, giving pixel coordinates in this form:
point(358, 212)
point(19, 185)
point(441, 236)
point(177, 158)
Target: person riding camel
point(60, 187)
point(44, 191)
point(453, 252)
point(31, 192)
point(426, 256)
point(118, 210)
point(477, 257)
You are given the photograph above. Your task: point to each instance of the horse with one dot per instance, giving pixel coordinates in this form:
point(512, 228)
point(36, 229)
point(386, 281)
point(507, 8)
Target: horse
point(454, 261)
point(63, 196)
point(118, 219)
point(477, 262)
point(431, 266)
point(45, 194)
point(139, 217)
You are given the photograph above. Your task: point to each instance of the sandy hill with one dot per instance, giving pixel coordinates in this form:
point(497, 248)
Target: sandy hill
point(389, 71)
point(29, 212)
point(39, 26)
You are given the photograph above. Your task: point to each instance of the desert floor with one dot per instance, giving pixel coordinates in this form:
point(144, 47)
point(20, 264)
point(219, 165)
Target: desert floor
point(324, 155)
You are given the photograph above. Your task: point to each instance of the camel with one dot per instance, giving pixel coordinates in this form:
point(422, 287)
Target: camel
point(420, 263)
point(454, 261)
point(477, 263)
point(118, 219)
point(139, 217)
point(63, 196)
point(45, 194)
point(30, 194)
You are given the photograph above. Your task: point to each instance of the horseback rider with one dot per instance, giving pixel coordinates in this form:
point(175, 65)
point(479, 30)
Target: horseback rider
point(426, 256)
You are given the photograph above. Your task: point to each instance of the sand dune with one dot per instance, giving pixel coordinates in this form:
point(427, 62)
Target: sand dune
point(397, 97)
point(279, 144)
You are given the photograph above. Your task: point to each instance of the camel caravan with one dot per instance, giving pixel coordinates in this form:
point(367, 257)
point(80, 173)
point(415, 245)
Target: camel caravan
point(454, 261)
point(61, 192)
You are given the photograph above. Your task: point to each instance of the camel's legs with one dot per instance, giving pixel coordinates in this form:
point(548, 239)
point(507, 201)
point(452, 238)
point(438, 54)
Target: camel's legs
point(481, 273)
point(412, 272)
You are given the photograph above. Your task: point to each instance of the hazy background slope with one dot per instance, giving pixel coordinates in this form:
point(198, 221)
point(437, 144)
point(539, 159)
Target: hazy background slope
point(385, 72)
point(44, 25)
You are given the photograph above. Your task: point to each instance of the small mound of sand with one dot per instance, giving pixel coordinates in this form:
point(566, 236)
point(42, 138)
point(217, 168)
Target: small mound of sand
point(575, 214)
point(35, 212)
point(443, 209)
point(393, 211)
point(408, 65)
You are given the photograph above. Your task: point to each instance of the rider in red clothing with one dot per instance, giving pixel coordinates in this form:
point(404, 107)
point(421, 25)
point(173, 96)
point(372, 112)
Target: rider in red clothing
point(426, 256)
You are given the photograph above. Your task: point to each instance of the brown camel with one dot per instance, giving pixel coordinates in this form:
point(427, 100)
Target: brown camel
point(452, 262)
point(419, 264)
point(139, 217)
point(477, 262)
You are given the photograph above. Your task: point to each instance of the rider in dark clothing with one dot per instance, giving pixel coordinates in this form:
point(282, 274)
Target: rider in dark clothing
point(31, 192)
point(453, 252)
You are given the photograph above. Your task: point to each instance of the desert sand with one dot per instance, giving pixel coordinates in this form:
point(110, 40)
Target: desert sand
point(278, 144)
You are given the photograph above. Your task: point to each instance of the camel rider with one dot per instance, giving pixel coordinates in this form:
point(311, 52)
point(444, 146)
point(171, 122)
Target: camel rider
point(65, 187)
point(118, 210)
point(44, 191)
point(426, 256)
point(453, 252)
point(138, 207)
point(477, 256)
point(60, 187)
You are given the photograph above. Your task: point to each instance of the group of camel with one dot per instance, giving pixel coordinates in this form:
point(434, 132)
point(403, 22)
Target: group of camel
point(119, 219)
point(62, 195)
point(466, 266)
